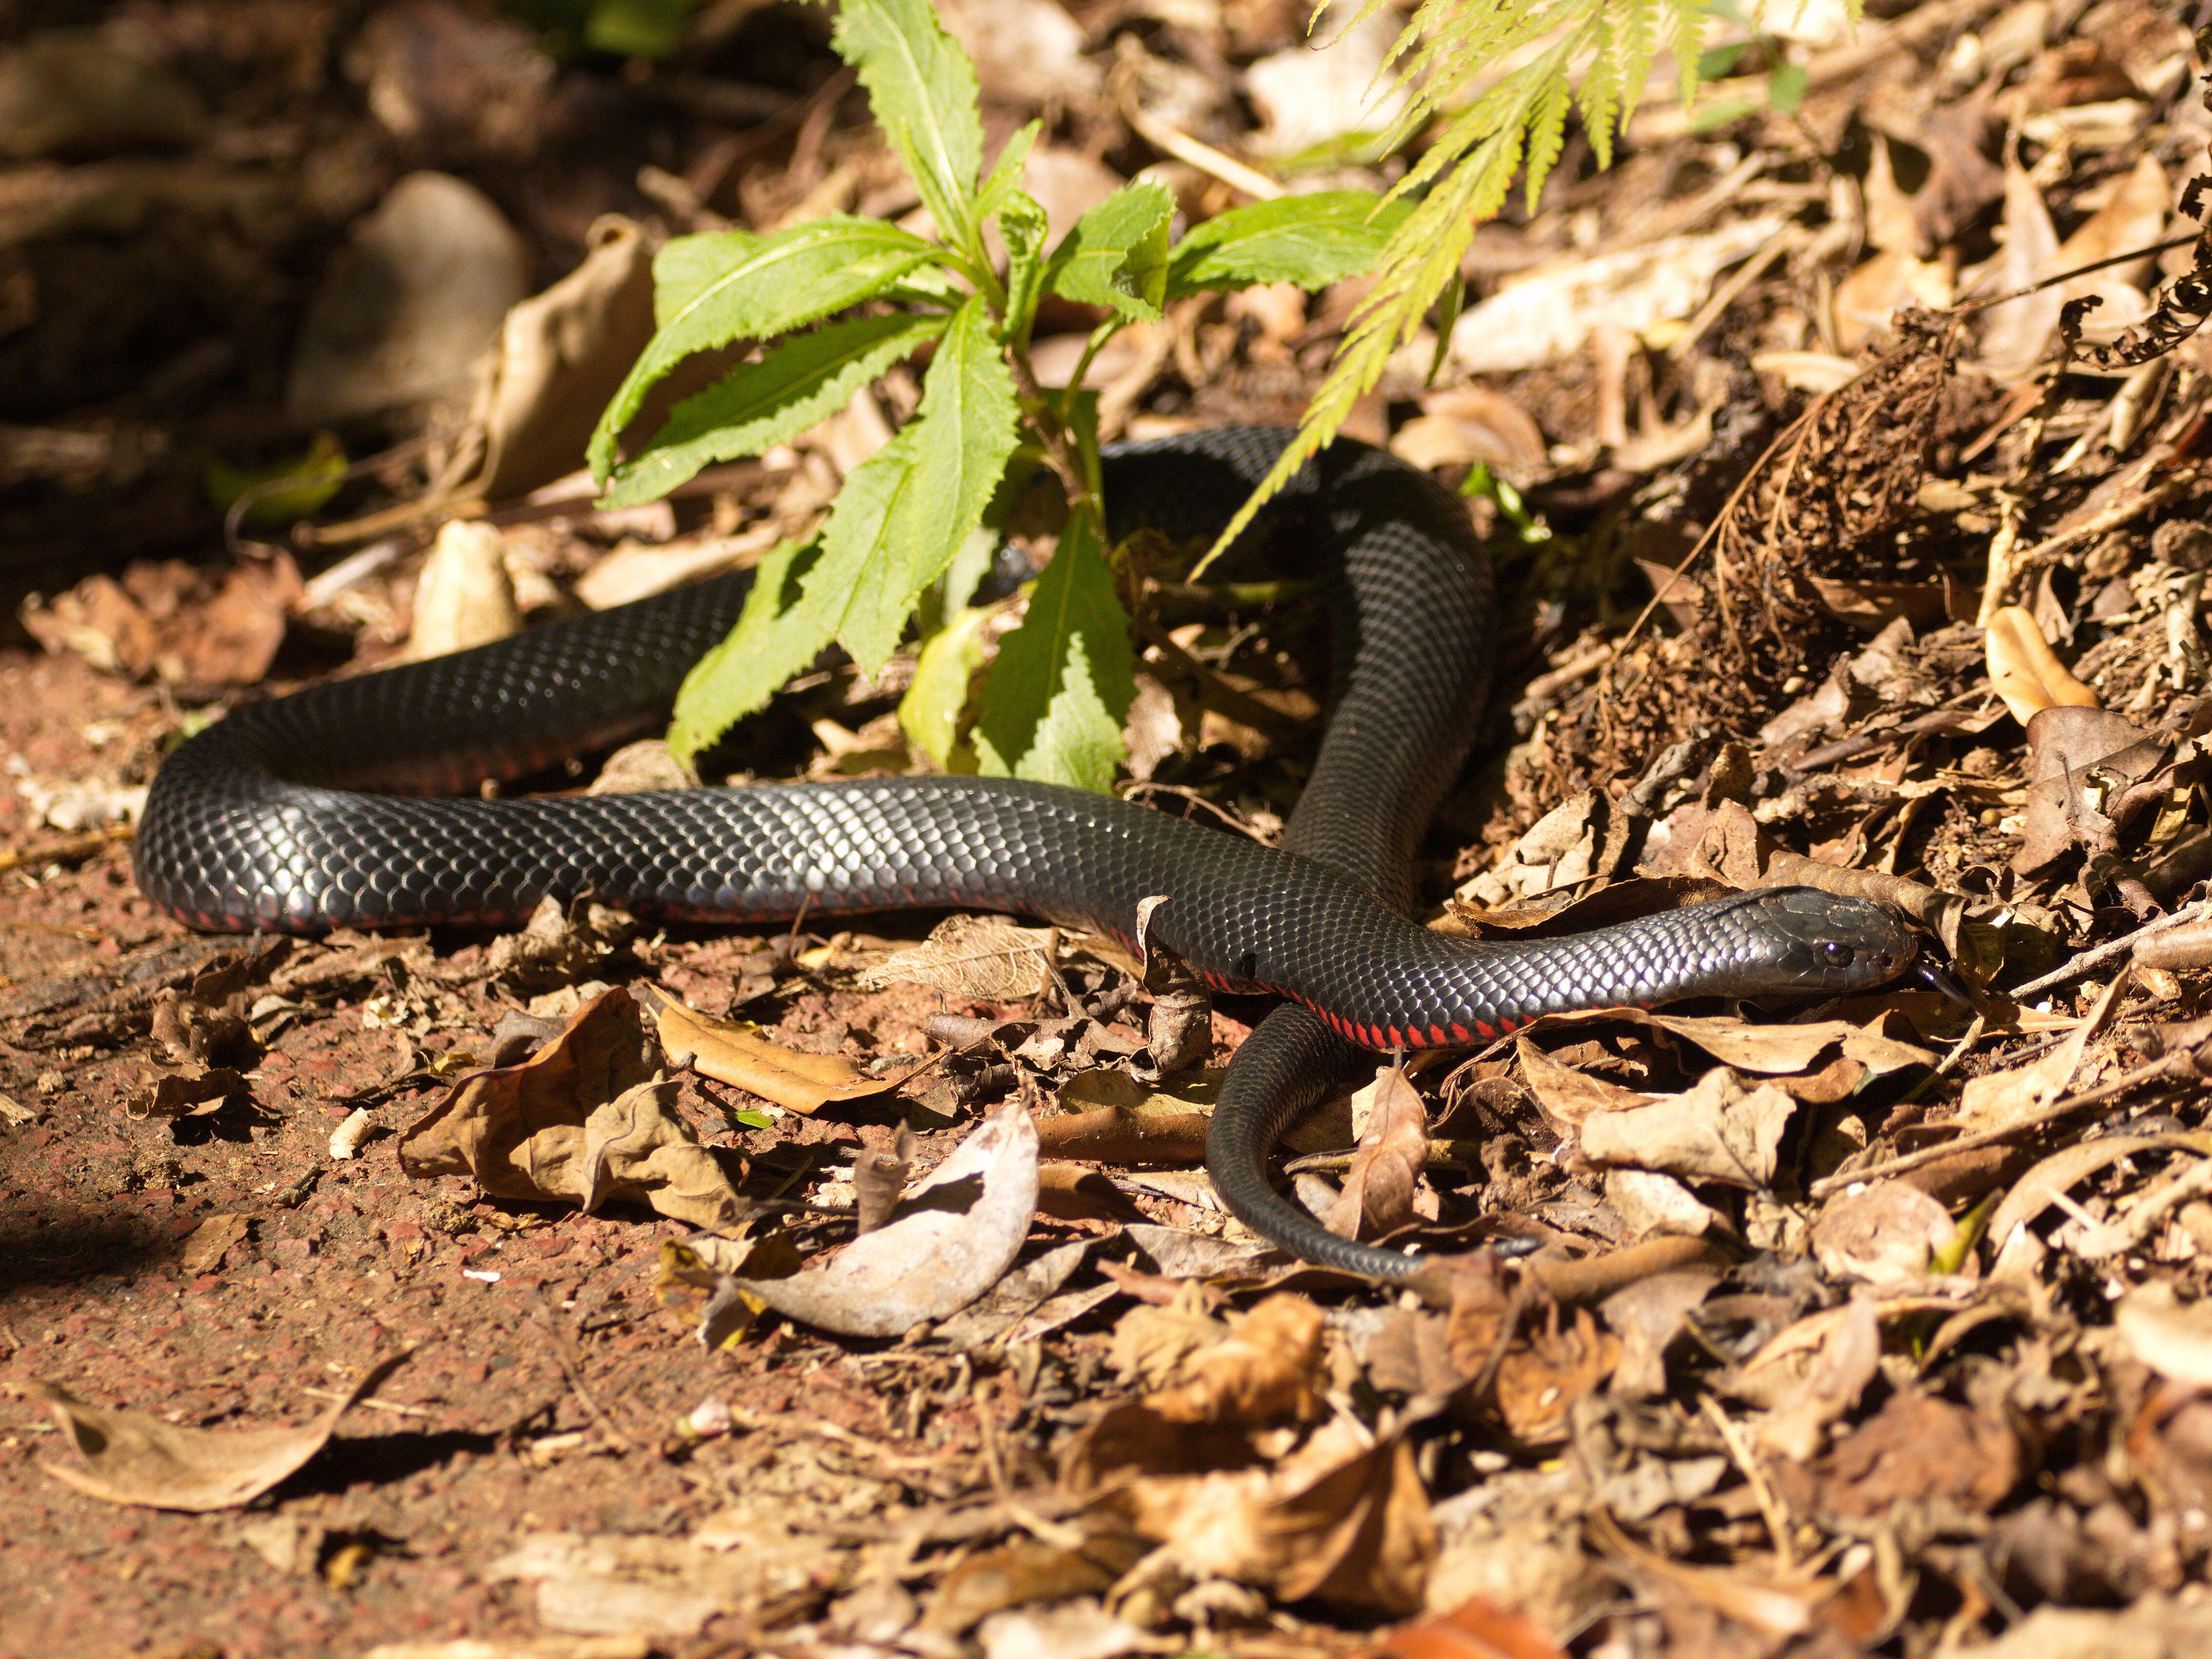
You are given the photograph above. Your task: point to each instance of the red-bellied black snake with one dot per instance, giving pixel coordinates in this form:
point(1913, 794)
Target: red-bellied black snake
point(314, 810)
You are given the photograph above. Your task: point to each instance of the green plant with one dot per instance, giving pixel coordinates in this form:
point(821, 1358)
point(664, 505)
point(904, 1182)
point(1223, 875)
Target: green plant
point(1563, 55)
point(834, 303)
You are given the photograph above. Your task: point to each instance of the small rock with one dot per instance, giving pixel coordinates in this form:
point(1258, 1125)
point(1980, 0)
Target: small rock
point(404, 312)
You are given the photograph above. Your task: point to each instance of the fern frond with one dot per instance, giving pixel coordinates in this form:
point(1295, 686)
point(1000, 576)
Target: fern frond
point(1516, 124)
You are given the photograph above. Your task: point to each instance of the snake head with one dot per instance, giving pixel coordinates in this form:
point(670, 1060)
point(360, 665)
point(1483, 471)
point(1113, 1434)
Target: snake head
point(1826, 942)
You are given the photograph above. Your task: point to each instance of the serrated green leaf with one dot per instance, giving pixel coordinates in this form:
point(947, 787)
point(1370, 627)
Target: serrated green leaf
point(733, 286)
point(1312, 240)
point(905, 511)
point(1116, 255)
point(1006, 171)
point(922, 88)
point(773, 640)
point(930, 712)
point(1054, 706)
point(804, 379)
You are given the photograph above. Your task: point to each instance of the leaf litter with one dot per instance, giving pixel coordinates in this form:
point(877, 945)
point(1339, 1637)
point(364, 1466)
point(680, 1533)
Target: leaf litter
point(1748, 1331)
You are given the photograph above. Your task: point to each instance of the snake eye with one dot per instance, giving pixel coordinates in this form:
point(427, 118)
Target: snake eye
point(1835, 953)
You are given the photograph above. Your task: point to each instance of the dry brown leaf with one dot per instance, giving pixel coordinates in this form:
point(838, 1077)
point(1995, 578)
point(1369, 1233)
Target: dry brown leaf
point(1567, 1095)
point(1548, 315)
point(1378, 1189)
point(979, 959)
point(727, 1052)
point(1028, 1570)
point(1916, 1449)
point(1152, 1344)
point(1469, 423)
point(167, 620)
point(1717, 1130)
point(1472, 1630)
point(2022, 670)
point(587, 1118)
point(135, 1457)
point(2040, 1187)
point(1547, 1371)
point(1268, 1366)
point(879, 1176)
point(1345, 1518)
point(1999, 1099)
point(207, 1244)
point(1775, 1610)
point(1874, 293)
point(1810, 1374)
point(2172, 1337)
point(2016, 332)
point(617, 1582)
point(945, 1243)
point(2073, 752)
point(1885, 1233)
point(559, 357)
point(1648, 1316)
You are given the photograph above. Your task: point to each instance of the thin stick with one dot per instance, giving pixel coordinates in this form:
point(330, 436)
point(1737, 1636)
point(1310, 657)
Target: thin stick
point(1206, 159)
point(2181, 1067)
point(2111, 950)
point(1762, 1494)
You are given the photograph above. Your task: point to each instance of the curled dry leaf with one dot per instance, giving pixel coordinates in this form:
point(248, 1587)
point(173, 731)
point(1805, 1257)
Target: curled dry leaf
point(2172, 1337)
point(979, 959)
point(561, 355)
point(1378, 1189)
point(2000, 1099)
point(1810, 1374)
point(464, 596)
point(2023, 672)
point(587, 1118)
point(2071, 751)
point(206, 1245)
point(1914, 1449)
point(2041, 1186)
point(725, 1050)
point(1886, 1233)
point(879, 1176)
point(135, 1457)
point(1344, 1518)
point(947, 1242)
point(1570, 1097)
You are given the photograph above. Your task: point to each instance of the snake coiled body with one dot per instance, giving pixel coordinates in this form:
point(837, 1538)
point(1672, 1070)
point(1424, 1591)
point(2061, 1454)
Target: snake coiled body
point(340, 806)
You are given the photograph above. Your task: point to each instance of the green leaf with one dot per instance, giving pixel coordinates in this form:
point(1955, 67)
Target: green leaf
point(1006, 171)
point(1786, 88)
point(711, 290)
point(1116, 255)
point(775, 639)
point(798, 383)
point(638, 28)
point(905, 511)
point(1312, 240)
point(1053, 705)
point(1022, 223)
point(922, 88)
point(1720, 61)
point(1726, 113)
point(930, 712)
point(284, 493)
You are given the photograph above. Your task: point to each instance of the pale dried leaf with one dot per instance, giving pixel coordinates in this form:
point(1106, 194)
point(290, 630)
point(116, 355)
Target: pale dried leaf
point(948, 1241)
point(135, 1457)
